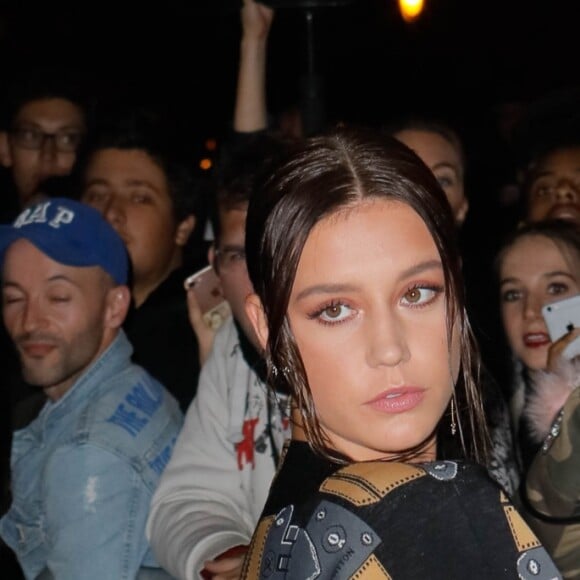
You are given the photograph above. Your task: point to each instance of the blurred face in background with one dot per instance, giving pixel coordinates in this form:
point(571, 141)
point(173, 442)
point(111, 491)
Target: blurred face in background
point(228, 257)
point(41, 143)
point(534, 271)
point(132, 192)
point(444, 160)
point(554, 190)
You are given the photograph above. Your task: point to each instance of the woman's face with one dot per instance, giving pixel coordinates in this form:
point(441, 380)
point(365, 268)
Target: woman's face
point(368, 313)
point(554, 192)
point(444, 161)
point(533, 272)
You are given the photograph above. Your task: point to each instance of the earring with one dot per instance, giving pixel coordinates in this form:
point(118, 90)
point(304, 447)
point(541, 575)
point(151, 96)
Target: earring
point(275, 371)
point(453, 423)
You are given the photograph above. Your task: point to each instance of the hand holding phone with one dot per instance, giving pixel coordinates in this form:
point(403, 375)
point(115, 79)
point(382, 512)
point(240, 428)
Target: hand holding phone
point(205, 284)
point(561, 318)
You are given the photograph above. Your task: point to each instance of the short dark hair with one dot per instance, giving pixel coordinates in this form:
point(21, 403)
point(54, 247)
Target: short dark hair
point(241, 160)
point(314, 180)
point(40, 84)
point(539, 155)
point(545, 125)
point(144, 130)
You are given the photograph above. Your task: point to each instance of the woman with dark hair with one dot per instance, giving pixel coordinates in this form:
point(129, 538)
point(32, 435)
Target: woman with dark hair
point(359, 307)
point(537, 264)
point(540, 264)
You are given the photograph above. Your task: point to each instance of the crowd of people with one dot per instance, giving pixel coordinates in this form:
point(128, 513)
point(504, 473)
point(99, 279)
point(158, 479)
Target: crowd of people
point(366, 410)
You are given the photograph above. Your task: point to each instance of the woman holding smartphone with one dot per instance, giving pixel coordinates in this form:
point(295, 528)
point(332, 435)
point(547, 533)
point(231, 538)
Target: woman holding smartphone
point(359, 307)
point(538, 265)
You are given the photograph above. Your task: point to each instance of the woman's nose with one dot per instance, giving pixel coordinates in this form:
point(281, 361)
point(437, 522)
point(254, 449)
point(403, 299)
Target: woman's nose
point(387, 343)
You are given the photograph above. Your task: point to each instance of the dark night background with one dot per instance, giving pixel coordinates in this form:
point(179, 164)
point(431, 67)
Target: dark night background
point(464, 57)
point(475, 62)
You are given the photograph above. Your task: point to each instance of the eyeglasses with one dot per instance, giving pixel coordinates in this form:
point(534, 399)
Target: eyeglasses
point(33, 138)
point(229, 260)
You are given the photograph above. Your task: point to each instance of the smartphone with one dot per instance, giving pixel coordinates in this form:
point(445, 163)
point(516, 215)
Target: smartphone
point(207, 289)
point(561, 317)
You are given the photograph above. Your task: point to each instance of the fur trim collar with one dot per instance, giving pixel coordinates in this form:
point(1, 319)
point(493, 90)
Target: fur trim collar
point(548, 393)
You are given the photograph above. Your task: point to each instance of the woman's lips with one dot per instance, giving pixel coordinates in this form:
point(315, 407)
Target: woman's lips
point(536, 339)
point(398, 399)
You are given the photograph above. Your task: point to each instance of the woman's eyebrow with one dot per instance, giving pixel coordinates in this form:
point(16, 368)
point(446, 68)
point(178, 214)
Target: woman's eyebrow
point(420, 268)
point(325, 289)
point(337, 288)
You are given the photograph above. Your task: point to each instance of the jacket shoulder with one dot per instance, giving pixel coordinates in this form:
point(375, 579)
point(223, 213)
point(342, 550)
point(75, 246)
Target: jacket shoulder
point(134, 417)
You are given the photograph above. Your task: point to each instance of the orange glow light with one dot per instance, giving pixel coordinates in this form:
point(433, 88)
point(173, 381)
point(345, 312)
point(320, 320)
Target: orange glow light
point(205, 164)
point(211, 144)
point(411, 9)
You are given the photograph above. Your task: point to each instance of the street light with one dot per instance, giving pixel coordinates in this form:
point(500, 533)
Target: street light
point(411, 9)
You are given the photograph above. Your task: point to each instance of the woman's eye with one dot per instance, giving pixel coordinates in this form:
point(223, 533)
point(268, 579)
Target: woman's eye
point(510, 295)
point(334, 313)
point(420, 296)
point(558, 288)
point(445, 182)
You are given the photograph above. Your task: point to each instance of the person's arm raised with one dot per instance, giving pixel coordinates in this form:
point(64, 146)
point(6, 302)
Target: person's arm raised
point(250, 113)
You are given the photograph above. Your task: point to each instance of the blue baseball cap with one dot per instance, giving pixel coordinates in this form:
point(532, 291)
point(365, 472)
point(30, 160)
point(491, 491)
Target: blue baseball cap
point(70, 233)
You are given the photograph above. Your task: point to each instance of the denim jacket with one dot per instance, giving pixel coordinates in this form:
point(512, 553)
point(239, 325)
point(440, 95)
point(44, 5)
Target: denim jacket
point(84, 471)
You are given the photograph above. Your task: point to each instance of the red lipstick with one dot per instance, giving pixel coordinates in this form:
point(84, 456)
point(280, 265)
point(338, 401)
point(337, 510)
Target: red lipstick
point(536, 339)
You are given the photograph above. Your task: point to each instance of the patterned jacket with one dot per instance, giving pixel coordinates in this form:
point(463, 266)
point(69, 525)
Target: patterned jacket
point(442, 520)
point(552, 490)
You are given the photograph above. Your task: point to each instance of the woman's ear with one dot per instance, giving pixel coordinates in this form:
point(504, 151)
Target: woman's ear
point(257, 316)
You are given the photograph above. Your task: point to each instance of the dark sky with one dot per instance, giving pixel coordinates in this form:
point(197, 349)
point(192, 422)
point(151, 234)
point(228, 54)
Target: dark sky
point(464, 56)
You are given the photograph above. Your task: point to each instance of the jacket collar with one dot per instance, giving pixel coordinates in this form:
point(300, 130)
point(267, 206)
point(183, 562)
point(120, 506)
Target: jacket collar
point(93, 381)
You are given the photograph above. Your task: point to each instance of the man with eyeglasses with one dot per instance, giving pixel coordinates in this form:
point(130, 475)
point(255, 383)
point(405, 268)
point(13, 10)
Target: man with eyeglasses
point(43, 125)
point(226, 455)
point(209, 501)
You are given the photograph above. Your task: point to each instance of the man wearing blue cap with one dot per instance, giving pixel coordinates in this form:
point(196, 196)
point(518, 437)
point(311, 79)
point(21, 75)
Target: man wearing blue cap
point(85, 469)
